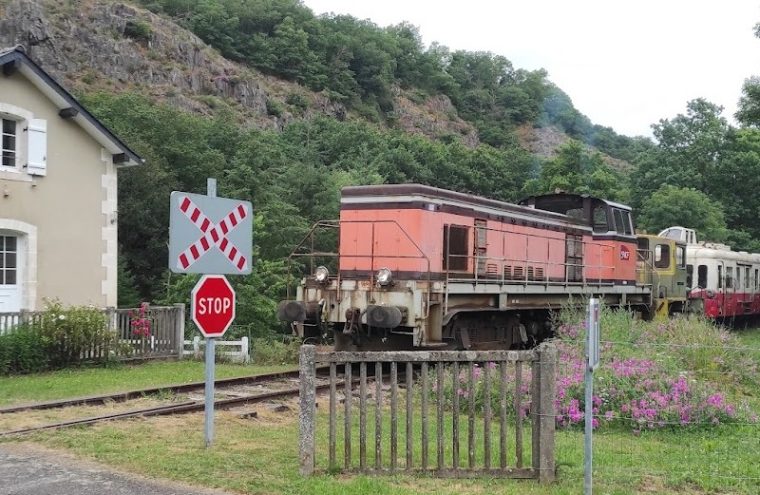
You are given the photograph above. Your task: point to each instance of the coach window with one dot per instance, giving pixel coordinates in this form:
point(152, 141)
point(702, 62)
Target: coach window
point(746, 277)
point(729, 277)
point(720, 276)
point(702, 276)
point(756, 278)
point(455, 247)
point(689, 275)
point(662, 256)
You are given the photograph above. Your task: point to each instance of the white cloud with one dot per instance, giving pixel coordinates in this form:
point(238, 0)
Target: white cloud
point(625, 65)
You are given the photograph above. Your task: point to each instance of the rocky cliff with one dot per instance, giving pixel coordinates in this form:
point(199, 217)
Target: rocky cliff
point(92, 45)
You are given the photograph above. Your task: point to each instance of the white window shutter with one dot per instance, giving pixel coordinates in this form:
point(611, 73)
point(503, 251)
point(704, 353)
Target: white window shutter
point(37, 157)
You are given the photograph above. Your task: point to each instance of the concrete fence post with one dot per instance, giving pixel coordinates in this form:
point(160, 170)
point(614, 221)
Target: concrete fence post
point(179, 329)
point(197, 347)
point(308, 411)
point(245, 350)
point(544, 415)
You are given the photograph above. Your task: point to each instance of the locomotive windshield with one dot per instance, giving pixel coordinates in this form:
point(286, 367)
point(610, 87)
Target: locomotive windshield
point(602, 216)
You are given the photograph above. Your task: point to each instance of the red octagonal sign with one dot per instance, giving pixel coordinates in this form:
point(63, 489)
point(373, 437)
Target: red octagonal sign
point(213, 305)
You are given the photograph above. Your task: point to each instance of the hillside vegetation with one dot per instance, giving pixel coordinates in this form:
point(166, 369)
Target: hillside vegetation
point(284, 108)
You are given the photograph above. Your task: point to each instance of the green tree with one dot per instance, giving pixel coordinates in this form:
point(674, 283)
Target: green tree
point(671, 205)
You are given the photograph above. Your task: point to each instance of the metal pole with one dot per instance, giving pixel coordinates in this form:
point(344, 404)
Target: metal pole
point(592, 342)
point(210, 356)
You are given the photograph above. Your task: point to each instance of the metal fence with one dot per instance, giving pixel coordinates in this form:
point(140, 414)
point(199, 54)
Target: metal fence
point(140, 333)
point(502, 407)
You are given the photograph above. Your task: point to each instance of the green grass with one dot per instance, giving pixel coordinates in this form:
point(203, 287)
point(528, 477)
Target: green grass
point(258, 456)
point(114, 378)
point(749, 337)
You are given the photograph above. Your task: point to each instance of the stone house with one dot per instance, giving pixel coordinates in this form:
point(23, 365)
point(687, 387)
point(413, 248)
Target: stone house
point(58, 198)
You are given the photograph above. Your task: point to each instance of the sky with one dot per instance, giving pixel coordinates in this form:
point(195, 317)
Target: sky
point(624, 64)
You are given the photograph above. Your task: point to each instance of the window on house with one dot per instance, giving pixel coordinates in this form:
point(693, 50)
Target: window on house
point(455, 247)
point(8, 260)
point(9, 143)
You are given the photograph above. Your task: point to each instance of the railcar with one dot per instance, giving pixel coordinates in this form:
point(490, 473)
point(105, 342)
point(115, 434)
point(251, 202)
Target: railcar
point(663, 267)
point(723, 284)
point(422, 267)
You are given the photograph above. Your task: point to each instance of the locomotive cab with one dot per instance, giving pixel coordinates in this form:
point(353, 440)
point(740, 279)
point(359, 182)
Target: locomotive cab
point(662, 264)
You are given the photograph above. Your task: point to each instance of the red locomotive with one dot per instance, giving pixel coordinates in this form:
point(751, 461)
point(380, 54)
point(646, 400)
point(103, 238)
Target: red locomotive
point(421, 267)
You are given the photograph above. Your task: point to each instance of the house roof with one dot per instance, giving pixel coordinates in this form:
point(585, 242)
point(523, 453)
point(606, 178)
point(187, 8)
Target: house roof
point(14, 59)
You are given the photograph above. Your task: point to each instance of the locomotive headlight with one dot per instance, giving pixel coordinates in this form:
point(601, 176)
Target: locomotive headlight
point(321, 274)
point(384, 277)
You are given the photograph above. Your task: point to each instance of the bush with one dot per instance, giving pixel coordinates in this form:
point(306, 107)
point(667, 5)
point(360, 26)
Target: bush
point(22, 351)
point(273, 352)
point(72, 335)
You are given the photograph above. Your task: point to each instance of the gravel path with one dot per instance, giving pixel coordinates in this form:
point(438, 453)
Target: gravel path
point(28, 469)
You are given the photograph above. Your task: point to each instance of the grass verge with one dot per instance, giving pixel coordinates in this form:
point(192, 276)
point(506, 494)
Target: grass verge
point(115, 378)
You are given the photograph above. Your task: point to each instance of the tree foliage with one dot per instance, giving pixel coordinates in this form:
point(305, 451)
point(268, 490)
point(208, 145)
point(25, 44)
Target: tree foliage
point(361, 65)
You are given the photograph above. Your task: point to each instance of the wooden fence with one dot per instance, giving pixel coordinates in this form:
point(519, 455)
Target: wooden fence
point(141, 333)
point(483, 385)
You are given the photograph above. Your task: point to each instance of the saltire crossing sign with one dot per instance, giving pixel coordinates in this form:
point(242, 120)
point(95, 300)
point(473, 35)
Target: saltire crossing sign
point(209, 234)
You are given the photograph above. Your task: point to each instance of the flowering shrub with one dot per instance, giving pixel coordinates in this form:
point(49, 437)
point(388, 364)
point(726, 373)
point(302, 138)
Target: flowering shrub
point(675, 374)
point(140, 322)
point(653, 374)
point(71, 335)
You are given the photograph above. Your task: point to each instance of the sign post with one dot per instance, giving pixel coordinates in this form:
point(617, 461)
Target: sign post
point(592, 363)
point(212, 236)
point(213, 310)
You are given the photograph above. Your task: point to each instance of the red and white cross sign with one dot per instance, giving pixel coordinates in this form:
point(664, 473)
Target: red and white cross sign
point(214, 235)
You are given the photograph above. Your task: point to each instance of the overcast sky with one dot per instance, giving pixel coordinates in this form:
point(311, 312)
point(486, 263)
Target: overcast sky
point(625, 65)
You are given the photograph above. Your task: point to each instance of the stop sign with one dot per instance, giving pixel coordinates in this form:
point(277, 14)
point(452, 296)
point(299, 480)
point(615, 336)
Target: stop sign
point(213, 305)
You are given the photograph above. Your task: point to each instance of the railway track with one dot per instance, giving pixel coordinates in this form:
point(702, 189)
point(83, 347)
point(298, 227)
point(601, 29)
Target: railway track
point(271, 387)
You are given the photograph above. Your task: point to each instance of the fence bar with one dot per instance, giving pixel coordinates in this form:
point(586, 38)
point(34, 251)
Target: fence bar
point(424, 371)
point(378, 414)
point(455, 417)
point(486, 416)
point(479, 382)
point(518, 415)
point(333, 387)
point(439, 415)
point(409, 397)
point(362, 415)
point(544, 417)
point(503, 415)
point(308, 410)
point(394, 416)
point(471, 417)
point(347, 407)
